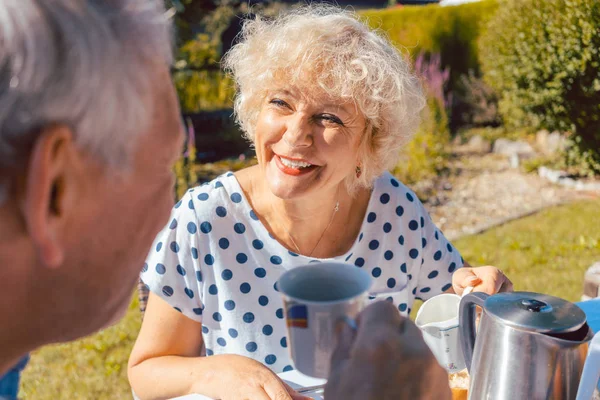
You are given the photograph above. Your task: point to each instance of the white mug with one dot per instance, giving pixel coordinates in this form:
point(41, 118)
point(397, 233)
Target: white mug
point(316, 297)
point(438, 320)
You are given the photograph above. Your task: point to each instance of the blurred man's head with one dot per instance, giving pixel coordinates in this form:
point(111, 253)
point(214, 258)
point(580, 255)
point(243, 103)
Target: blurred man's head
point(89, 130)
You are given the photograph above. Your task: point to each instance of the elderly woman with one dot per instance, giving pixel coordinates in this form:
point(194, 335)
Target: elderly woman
point(327, 104)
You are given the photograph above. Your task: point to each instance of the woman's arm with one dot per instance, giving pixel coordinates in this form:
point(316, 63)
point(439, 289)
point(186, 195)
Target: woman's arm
point(162, 362)
point(165, 363)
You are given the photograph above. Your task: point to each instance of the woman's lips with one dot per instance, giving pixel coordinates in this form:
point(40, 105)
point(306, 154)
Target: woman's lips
point(292, 171)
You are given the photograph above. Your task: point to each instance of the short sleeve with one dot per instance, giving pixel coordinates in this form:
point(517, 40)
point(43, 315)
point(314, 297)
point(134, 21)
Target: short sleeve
point(172, 270)
point(439, 259)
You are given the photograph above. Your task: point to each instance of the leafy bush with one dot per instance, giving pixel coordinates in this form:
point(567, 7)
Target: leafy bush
point(476, 102)
point(201, 85)
point(544, 59)
point(185, 167)
point(451, 32)
point(204, 90)
point(427, 153)
point(429, 68)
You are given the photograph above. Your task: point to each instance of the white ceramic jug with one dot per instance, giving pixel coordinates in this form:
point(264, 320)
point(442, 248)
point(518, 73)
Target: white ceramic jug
point(438, 320)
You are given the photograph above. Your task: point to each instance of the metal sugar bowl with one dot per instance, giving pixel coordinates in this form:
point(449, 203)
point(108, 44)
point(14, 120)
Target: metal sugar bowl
point(529, 346)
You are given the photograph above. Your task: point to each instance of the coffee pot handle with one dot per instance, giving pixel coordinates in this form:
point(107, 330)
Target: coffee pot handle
point(467, 317)
point(591, 371)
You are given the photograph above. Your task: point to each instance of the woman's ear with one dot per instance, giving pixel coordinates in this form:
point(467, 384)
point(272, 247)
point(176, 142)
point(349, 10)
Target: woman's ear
point(49, 193)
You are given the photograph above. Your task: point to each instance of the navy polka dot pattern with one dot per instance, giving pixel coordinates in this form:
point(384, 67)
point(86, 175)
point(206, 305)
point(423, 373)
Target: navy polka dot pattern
point(263, 300)
point(387, 227)
point(160, 269)
point(217, 264)
point(267, 330)
point(245, 288)
point(229, 305)
point(270, 359)
point(251, 347)
point(371, 217)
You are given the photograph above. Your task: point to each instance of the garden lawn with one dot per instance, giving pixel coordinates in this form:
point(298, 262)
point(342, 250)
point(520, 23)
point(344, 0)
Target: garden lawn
point(547, 252)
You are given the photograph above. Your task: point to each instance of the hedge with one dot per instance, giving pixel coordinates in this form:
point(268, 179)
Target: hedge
point(543, 57)
point(451, 32)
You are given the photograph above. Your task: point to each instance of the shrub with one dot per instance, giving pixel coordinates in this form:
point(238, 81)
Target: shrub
point(543, 57)
point(426, 154)
point(203, 90)
point(452, 32)
point(435, 78)
point(476, 102)
point(200, 84)
point(185, 168)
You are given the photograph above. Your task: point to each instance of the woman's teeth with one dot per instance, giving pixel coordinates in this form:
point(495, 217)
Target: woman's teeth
point(294, 164)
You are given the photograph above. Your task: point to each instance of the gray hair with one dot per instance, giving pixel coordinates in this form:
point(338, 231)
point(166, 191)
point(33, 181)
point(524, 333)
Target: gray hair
point(83, 63)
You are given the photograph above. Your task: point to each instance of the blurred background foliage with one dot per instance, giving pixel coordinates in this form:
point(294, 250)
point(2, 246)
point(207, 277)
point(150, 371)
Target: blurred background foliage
point(519, 65)
point(543, 59)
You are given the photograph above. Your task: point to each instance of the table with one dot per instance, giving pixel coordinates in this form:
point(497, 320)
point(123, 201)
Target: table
point(296, 380)
point(592, 312)
point(293, 378)
point(591, 308)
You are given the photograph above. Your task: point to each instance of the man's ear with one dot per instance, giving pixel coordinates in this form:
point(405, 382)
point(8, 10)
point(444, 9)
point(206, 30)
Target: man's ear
point(50, 192)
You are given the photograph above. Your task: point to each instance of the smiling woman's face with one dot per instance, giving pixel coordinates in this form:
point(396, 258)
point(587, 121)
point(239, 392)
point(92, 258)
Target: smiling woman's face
point(306, 145)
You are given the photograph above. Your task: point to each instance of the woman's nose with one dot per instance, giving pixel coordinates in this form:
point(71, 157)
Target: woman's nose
point(298, 132)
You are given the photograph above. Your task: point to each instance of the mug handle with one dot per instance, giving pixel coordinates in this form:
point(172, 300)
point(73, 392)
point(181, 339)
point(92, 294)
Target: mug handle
point(466, 323)
point(591, 371)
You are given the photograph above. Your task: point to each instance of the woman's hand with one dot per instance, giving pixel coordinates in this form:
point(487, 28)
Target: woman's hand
point(486, 279)
point(249, 379)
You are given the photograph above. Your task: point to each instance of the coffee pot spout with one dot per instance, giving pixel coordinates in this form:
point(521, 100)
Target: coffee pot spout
point(591, 371)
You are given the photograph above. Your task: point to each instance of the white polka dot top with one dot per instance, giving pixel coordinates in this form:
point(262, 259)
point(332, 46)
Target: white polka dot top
point(216, 263)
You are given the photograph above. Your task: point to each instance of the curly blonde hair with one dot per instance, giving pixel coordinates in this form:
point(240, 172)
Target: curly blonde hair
point(344, 59)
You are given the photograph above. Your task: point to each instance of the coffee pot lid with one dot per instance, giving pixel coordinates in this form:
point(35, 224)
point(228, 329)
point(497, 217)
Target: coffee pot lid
point(535, 312)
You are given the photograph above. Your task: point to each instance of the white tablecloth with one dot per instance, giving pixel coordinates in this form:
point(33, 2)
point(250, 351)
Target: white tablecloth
point(293, 378)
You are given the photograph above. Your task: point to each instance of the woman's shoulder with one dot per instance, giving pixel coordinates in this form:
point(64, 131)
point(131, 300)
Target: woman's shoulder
point(390, 189)
point(391, 198)
point(215, 197)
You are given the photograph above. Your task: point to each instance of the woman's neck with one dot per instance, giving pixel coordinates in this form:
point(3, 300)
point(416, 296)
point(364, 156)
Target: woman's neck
point(310, 226)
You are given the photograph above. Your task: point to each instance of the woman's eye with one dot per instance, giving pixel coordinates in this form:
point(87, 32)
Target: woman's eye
point(331, 118)
point(278, 103)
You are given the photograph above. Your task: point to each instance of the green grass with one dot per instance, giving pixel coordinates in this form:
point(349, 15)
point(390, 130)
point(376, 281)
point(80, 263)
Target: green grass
point(547, 252)
point(92, 368)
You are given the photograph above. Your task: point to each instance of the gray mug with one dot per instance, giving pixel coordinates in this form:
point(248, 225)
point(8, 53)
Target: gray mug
point(316, 297)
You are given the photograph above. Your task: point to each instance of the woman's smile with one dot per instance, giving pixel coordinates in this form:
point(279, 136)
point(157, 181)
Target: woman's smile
point(294, 167)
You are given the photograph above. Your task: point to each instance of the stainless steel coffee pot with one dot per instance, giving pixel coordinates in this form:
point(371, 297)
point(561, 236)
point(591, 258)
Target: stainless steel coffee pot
point(528, 346)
